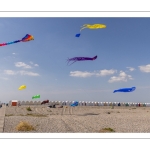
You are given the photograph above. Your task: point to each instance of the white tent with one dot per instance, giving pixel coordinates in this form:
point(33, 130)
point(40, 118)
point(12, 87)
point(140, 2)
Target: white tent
point(148, 104)
point(35, 102)
point(89, 103)
point(67, 103)
point(38, 102)
point(30, 102)
point(102, 103)
point(27, 102)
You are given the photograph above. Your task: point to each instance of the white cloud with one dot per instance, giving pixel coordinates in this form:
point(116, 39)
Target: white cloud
point(131, 68)
point(145, 68)
point(14, 53)
point(4, 78)
point(89, 74)
point(31, 62)
point(122, 77)
point(80, 74)
point(22, 72)
point(10, 72)
point(21, 64)
point(36, 65)
point(105, 72)
point(28, 73)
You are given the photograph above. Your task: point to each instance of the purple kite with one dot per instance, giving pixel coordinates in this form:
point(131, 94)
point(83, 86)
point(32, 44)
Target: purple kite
point(80, 59)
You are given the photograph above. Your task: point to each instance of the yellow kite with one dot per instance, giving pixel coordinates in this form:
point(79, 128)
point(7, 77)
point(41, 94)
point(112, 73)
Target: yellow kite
point(22, 87)
point(94, 26)
point(90, 26)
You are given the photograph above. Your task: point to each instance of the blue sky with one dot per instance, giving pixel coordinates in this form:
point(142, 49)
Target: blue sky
point(123, 59)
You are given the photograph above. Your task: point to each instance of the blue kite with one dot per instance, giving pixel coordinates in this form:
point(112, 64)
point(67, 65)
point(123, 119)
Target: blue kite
point(76, 103)
point(125, 90)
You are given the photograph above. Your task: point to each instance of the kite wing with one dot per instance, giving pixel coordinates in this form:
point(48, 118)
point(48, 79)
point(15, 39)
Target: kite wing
point(24, 39)
point(22, 87)
point(35, 96)
point(27, 38)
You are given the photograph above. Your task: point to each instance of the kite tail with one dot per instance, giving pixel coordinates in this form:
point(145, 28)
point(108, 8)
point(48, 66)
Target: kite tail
point(67, 61)
point(72, 62)
point(82, 28)
point(10, 43)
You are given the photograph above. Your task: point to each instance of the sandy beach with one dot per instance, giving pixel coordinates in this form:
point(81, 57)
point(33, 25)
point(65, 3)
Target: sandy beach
point(81, 119)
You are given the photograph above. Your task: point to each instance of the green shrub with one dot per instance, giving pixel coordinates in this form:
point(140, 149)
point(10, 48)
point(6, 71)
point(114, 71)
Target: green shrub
point(29, 109)
point(107, 130)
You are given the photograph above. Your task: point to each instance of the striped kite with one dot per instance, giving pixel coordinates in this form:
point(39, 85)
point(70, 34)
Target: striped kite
point(89, 26)
point(24, 39)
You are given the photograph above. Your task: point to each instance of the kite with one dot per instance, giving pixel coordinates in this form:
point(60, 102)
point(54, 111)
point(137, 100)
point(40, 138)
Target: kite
point(75, 104)
point(24, 39)
point(35, 96)
point(89, 26)
point(80, 59)
point(22, 87)
point(125, 90)
point(45, 101)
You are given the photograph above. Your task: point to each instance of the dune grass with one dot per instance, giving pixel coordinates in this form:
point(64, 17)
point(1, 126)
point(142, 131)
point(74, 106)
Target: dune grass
point(36, 115)
point(104, 130)
point(24, 126)
point(29, 109)
point(7, 115)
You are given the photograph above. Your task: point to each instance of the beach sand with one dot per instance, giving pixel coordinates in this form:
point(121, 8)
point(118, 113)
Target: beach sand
point(81, 119)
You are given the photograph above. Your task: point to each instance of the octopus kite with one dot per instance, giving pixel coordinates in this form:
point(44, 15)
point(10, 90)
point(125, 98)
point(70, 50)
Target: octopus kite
point(24, 39)
point(80, 59)
point(89, 26)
